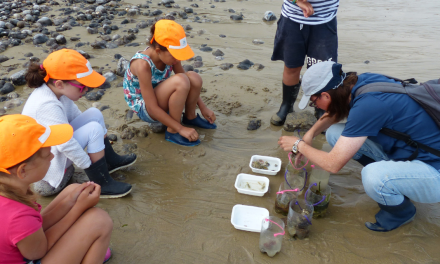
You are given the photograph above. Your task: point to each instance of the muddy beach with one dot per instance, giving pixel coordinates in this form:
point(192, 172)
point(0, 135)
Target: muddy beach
point(180, 207)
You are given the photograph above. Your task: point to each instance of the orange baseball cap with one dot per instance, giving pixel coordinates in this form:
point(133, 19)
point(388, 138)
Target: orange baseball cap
point(172, 36)
point(67, 64)
point(21, 137)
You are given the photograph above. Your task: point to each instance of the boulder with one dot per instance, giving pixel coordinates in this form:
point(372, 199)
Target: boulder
point(303, 120)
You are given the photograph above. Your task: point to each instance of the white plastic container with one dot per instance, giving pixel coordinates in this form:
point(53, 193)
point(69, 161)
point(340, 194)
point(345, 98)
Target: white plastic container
point(248, 218)
point(251, 184)
point(273, 168)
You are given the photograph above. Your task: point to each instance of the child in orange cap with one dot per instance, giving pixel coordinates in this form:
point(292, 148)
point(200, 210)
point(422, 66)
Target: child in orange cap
point(156, 96)
point(63, 78)
point(69, 229)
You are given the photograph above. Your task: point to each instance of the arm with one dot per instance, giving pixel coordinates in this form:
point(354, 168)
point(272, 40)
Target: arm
point(52, 114)
point(306, 7)
point(142, 70)
point(333, 161)
point(322, 124)
point(88, 198)
point(62, 204)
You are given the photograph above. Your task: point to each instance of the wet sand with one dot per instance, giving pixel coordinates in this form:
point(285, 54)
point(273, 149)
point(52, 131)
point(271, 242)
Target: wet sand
point(180, 207)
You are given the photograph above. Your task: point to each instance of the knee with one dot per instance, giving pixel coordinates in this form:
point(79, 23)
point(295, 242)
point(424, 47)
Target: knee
point(195, 80)
point(99, 220)
point(96, 128)
point(292, 71)
point(333, 133)
point(372, 179)
point(182, 82)
point(93, 111)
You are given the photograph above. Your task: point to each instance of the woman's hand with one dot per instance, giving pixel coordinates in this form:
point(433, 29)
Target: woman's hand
point(88, 198)
point(286, 142)
point(208, 114)
point(189, 133)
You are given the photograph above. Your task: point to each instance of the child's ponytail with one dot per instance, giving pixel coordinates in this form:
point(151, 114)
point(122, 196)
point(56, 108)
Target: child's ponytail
point(35, 75)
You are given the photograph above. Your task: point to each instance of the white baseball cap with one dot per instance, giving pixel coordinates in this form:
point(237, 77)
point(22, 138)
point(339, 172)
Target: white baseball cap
point(320, 77)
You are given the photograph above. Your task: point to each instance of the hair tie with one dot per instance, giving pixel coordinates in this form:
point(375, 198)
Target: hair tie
point(41, 67)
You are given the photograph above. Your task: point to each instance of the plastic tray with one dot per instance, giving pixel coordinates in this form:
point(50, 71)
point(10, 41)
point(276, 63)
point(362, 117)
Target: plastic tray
point(274, 165)
point(248, 218)
point(251, 184)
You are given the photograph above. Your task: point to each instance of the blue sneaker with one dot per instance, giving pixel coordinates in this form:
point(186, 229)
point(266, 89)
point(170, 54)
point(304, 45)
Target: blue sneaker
point(198, 122)
point(178, 139)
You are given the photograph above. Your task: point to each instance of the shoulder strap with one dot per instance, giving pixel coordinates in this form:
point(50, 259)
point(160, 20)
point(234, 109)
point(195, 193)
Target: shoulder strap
point(384, 87)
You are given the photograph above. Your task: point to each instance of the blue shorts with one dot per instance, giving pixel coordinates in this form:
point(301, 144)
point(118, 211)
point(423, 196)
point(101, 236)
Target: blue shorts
point(144, 116)
point(294, 41)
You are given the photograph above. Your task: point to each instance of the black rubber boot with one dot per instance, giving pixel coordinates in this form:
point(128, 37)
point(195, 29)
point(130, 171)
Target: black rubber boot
point(391, 217)
point(365, 160)
point(98, 173)
point(290, 93)
point(115, 161)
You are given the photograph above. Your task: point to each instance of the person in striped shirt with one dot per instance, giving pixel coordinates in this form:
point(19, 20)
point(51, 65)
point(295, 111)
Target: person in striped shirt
point(306, 32)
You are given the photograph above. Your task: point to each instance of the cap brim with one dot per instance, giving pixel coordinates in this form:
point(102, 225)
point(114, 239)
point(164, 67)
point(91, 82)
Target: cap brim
point(93, 80)
point(59, 134)
point(182, 54)
point(304, 101)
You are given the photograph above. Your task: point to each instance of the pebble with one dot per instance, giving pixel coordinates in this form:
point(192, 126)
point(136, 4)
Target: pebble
point(85, 54)
point(254, 124)
point(367, 61)
point(104, 107)
point(12, 95)
point(96, 104)
point(245, 65)
point(7, 88)
point(218, 53)
point(29, 54)
point(157, 127)
point(18, 78)
point(226, 66)
point(237, 17)
point(206, 49)
point(188, 10)
point(258, 66)
point(122, 66)
point(222, 36)
point(188, 67)
point(129, 115)
point(198, 64)
point(61, 40)
point(257, 41)
point(12, 103)
point(40, 39)
point(219, 58)
point(2, 111)
point(3, 58)
point(93, 96)
point(269, 16)
point(110, 76)
point(112, 137)
point(99, 44)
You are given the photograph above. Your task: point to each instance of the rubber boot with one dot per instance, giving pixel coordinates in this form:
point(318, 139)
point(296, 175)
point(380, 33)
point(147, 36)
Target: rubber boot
point(98, 173)
point(365, 160)
point(391, 217)
point(115, 161)
point(290, 93)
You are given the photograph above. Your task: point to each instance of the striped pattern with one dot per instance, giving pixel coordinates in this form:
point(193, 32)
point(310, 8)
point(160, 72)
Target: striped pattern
point(325, 10)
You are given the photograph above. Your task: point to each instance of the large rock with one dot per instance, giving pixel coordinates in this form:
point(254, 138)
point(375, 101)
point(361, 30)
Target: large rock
point(122, 66)
point(18, 78)
point(303, 120)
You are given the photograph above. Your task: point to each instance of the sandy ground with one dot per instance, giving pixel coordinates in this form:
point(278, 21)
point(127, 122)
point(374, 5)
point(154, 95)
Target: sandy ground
point(180, 207)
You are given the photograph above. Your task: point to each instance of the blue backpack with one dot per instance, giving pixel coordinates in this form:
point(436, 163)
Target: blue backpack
point(426, 94)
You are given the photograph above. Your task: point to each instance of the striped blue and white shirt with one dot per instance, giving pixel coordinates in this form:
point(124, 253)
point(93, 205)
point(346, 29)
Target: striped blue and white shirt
point(325, 11)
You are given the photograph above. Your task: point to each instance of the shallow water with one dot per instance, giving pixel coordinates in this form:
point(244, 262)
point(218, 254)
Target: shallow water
point(180, 207)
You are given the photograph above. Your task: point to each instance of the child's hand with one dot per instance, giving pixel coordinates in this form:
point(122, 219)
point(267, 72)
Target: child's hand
point(209, 115)
point(189, 133)
point(78, 190)
point(89, 197)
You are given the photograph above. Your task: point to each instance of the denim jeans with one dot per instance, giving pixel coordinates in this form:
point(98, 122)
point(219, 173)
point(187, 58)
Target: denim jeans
point(387, 181)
